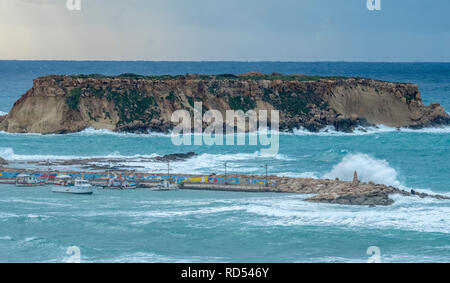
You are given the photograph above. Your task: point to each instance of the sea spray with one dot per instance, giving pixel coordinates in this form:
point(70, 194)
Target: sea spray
point(368, 168)
point(363, 131)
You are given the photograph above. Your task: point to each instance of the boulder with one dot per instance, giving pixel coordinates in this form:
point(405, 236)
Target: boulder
point(176, 157)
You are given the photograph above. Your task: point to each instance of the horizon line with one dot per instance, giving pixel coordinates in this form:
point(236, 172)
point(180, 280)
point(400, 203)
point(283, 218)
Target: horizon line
point(212, 61)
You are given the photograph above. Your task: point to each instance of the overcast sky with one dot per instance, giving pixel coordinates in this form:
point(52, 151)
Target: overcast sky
point(239, 30)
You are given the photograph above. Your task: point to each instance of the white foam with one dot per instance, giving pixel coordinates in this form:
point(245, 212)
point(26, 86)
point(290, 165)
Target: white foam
point(361, 131)
point(7, 153)
point(407, 213)
point(307, 175)
point(8, 215)
point(142, 257)
point(30, 239)
point(35, 202)
point(327, 131)
point(99, 132)
point(210, 163)
point(368, 168)
point(331, 131)
point(435, 130)
point(148, 216)
point(201, 164)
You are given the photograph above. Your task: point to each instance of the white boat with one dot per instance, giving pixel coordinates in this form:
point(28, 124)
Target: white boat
point(25, 180)
point(81, 187)
point(63, 180)
point(119, 183)
point(165, 186)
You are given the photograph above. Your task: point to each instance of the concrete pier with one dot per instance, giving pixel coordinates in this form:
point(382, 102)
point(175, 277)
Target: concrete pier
point(324, 191)
point(224, 187)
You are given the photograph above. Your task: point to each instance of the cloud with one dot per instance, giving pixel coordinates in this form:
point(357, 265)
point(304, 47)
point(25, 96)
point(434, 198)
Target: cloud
point(286, 30)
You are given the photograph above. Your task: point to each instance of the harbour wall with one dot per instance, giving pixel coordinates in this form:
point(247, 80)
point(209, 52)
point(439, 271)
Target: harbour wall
point(149, 178)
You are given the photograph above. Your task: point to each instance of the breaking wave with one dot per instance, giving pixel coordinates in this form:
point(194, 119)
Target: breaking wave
point(95, 132)
point(8, 153)
point(361, 131)
point(368, 168)
point(327, 131)
point(205, 163)
point(407, 213)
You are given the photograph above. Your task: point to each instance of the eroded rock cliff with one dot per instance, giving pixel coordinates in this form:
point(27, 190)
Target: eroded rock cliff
point(132, 103)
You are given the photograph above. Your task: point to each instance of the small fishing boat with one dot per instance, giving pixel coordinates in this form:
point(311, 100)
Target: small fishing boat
point(63, 180)
point(165, 186)
point(25, 180)
point(120, 183)
point(81, 187)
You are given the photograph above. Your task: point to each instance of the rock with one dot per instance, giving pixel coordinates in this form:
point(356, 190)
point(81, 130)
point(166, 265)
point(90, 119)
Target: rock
point(3, 161)
point(176, 157)
point(138, 104)
point(349, 194)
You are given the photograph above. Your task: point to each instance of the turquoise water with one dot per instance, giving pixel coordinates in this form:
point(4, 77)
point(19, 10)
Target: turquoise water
point(193, 226)
point(187, 226)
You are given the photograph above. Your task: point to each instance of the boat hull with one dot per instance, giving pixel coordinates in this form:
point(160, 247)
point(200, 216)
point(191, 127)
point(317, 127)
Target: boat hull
point(73, 190)
point(30, 185)
point(119, 188)
point(163, 188)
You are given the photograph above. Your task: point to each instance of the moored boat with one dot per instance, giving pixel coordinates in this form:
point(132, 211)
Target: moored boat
point(165, 186)
point(63, 180)
point(81, 187)
point(25, 180)
point(119, 183)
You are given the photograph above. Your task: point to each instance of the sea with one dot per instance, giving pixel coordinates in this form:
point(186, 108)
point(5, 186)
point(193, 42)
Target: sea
point(37, 225)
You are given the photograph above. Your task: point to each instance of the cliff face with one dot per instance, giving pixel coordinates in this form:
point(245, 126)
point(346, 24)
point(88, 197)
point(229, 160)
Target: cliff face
point(64, 104)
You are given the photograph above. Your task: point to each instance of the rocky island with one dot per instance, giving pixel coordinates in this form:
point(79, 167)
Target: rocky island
point(134, 103)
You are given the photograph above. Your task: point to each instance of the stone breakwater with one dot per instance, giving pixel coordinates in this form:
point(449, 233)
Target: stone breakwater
point(321, 191)
point(138, 104)
point(340, 192)
point(326, 191)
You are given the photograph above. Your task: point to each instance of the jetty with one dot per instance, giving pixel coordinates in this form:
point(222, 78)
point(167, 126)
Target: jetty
point(317, 190)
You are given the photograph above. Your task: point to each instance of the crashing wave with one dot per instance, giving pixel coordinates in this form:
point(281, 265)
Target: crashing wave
point(369, 170)
point(360, 131)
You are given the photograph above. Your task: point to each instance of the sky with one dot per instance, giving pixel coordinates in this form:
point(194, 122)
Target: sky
point(226, 30)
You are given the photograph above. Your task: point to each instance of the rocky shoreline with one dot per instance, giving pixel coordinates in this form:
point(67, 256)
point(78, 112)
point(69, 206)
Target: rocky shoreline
point(138, 104)
point(97, 164)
